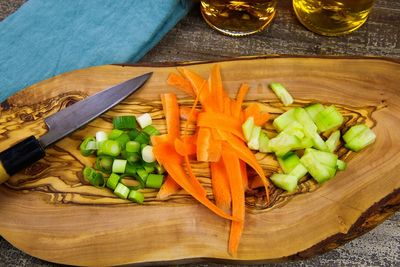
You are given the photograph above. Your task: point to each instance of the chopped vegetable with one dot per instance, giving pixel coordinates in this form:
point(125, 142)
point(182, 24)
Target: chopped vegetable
point(144, 120)
point(254, 142)
point(285, 181)
point(110, 148)
point(119, 165)
point(132, 146)
point(281, 93)
point(288, 162)
point(93, 177)
point(333, 141)
point(358, 137)
point(115, 133)
point(88, 146)
point(314, 109)
point(147, 154)
point(154, 180)
point(104, 163)
point(151, 130)
point(121, 191)
point(247, 128)
point(101, 136)
point(124, 122)
point(112, 181)
point(263, 141)
point(136, 196)
point(299, 171)
point(341, 165)
point(328, 119)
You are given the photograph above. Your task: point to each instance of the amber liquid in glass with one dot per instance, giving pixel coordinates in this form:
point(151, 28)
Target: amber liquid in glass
point(332, 17)
point(238, 18)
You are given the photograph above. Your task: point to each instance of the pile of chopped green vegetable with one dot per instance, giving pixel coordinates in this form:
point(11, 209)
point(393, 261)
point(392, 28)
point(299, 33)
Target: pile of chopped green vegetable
point(125, 161)
point(299, 146)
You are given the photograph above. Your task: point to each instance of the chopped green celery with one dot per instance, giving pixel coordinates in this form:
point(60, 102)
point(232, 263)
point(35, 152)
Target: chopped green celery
point(305, 142)
point(124, 122)
point(132, 146)
point(86, 147)
point(319, 143)
point(151, 130)
point(133, 134)
point(304, 119)
point(144, 120)
point(136, 196)
point(101, 136)
point(121, 191)
point(112, 181)
point(326, 158)
point(263, 141)
point(283, 143)
point(354, 131)
point(110, 148)
point(362, 140)
point(147, 154)
point(115, 133)
point(253, 143)
point(104, 163)
point(142, 138)
point(154, 180)
point(130, 169)
point(299, 171)
point(283, 120)
point(288, 162)
point(328, 119)
point(122, 140)
point(119, 165)
point(282, 93)
point(142, 174)
point(247, 128)
point(93, 177)
point(314, 109)
point(341, 165)
point(296, 129)
point(333, 141)
point(318, 171)
point(285, 181)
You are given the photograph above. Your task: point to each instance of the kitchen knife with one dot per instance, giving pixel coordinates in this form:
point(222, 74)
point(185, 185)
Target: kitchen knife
point(64, 122)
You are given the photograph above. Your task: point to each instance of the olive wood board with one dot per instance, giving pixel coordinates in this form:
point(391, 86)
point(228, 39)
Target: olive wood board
point(50, 212)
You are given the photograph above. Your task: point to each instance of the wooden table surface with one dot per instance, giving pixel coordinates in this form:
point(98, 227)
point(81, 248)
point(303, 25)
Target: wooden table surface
point(192, 39)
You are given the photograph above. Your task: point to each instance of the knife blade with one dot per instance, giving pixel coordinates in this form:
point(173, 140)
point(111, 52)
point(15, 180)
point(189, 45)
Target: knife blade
point(64, 122)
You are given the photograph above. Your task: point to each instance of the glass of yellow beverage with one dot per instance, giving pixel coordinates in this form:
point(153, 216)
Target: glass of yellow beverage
point(332, 17)
point(238, 18)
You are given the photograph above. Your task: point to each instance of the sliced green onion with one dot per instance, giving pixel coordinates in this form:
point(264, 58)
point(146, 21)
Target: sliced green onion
point(281, 93)
point(144, 120)
point(101, 136)
point(149, 169)
point(124, 122)
point(93, 177)
point(110, 148)
point(104, 163)
point(119, 165)
point(132, 157)
point(130, 169)
point(115, 133)
point(122, 140)
point(133, 133)
point(154, 180)
point(151, 130)
point(121, 191)
point(136, 196)
point(112, 181)
point(160, 169)
point(142, 138)
point(88, 146)
point(142, 174)
point(147, 154)
point(132, 146)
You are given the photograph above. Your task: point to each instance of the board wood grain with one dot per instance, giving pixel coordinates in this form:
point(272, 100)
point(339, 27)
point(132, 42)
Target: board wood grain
point(50, 212)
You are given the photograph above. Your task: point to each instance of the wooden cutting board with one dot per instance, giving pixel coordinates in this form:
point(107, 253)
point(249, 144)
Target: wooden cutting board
point(49, 212)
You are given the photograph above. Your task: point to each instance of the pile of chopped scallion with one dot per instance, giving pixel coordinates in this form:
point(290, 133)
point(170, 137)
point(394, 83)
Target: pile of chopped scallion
point(125, 161)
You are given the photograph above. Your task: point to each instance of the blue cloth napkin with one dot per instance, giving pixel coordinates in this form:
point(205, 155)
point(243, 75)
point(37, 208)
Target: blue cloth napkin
point(48, 37)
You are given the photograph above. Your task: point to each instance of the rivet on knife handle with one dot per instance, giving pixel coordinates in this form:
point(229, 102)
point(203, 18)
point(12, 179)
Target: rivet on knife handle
point(19, 156)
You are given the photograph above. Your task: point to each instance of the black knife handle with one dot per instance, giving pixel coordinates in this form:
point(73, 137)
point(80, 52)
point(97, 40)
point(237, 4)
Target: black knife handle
point(19, 157)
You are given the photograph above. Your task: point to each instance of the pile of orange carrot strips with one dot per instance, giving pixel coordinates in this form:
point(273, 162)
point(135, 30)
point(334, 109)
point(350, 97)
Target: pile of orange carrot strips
point(218, 139)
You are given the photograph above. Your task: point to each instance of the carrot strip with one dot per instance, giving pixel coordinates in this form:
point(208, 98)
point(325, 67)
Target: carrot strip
point(261, 118)
point(220, 185)
point(216, 89)
point(180, 82)
point(252, 110)
point(168, 188)
point(227, 106)
point(186, 113)
point(197, 83)
point(232, 164)
point(220, 121)
point(207, 148)
point(256, 182)
point(243, 171)
point(244, 88)
point(171, 111)
point(245, 154)
point(184, 148)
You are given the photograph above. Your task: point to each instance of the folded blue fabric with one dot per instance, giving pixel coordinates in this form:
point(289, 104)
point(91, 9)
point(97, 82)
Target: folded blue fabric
point(48, 37)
